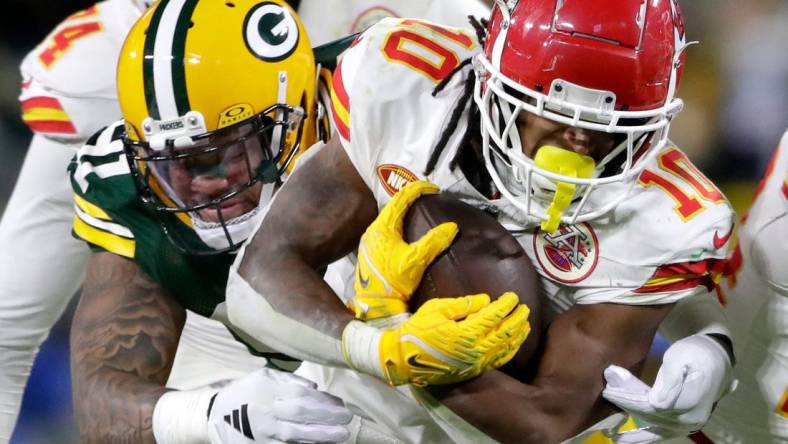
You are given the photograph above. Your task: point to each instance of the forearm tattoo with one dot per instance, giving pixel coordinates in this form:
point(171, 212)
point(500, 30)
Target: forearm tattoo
point(123, 341)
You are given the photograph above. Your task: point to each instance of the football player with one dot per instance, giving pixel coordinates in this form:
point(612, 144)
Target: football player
point(68, 93)
point(757, 305)
point(556, 120)
point(165, 196)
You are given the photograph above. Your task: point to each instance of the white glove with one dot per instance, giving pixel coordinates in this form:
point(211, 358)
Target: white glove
point(695, 373)
point(270, 406)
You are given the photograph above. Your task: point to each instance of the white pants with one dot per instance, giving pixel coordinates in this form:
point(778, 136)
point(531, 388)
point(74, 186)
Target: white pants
point(41, 266)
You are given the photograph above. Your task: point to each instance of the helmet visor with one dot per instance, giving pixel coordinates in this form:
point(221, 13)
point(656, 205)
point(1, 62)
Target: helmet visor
point(218, 175)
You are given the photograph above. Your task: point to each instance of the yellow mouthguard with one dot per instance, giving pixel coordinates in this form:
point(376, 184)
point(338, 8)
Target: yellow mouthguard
point(566, 163)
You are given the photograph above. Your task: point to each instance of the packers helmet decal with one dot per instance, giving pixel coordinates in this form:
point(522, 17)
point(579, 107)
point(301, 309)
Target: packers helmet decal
point(270, 32)
point(165, 77)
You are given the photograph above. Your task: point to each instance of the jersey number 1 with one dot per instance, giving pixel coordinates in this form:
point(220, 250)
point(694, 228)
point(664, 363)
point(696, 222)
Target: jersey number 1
point(416, 44)
point(677, 164)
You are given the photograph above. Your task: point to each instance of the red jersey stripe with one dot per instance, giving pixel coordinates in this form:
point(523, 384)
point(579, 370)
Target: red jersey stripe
point(342, 128)
point(339, 88)
point(41, 102)
point(52, 126)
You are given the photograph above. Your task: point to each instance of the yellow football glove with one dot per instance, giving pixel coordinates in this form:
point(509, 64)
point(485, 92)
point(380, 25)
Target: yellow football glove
point(445, 341)
point(389, 269)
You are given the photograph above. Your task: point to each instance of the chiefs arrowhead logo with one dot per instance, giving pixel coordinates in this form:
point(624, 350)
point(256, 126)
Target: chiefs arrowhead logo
point(394, 177)
point(568, 255)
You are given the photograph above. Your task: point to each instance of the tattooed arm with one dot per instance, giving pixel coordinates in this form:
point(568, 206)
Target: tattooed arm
point(123, 341)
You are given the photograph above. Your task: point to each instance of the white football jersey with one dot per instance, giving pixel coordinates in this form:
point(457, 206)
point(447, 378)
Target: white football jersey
point(68, 80)
point(327, 20)
point(667, 241)
point(757, 306)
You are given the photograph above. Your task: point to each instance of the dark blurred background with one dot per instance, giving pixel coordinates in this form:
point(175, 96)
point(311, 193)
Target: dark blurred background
point(735, 87)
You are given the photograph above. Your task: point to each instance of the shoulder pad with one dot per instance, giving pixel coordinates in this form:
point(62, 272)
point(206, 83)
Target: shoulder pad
point(98, 162)
point(684, 225)
point(396, 58)
point(104, 191)
point(694, 215)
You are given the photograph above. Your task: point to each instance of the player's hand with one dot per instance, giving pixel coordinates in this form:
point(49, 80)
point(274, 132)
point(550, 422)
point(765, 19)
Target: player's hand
point(388, 268)
point(445, 341)
point(695, 373)
point(273, 406)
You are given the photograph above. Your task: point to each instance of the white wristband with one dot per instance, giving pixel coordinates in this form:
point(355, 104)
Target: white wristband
point(361, 348)
point(181, 417)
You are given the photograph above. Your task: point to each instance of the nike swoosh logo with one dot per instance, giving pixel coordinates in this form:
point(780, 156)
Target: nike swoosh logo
point(414, 362)
point(719, 242)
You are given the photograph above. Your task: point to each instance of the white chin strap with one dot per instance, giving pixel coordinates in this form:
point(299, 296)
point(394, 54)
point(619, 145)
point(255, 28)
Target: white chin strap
point(239, 228)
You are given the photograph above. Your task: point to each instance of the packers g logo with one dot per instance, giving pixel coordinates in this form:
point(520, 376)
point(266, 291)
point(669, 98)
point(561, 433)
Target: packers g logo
point(270, 32)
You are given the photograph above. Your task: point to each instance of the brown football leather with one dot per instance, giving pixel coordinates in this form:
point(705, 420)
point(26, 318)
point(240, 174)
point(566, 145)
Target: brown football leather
point(484, 258)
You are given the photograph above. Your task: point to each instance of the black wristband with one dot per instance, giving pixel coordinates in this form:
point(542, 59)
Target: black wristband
point(726, 344)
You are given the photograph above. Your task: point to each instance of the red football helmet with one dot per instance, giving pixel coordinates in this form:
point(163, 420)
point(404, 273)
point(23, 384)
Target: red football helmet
point(602, 65)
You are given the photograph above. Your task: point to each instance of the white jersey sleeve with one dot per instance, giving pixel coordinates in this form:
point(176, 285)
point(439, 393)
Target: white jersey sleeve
point(324, 24)
point(382, 98)
point(68, 80)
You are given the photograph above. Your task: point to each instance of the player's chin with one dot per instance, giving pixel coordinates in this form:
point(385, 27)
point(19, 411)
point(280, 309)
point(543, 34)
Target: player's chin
point(231, 209)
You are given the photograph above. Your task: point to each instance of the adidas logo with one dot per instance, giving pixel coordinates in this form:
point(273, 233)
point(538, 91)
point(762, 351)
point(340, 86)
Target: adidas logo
point(239, 420)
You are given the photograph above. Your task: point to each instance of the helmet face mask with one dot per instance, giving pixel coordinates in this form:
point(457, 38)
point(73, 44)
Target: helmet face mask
point(532, 64)
point(216, 167)
point(212, 126)
point(219, 179)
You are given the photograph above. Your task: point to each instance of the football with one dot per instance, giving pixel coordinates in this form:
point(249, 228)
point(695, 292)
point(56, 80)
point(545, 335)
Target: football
point(484, 258)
